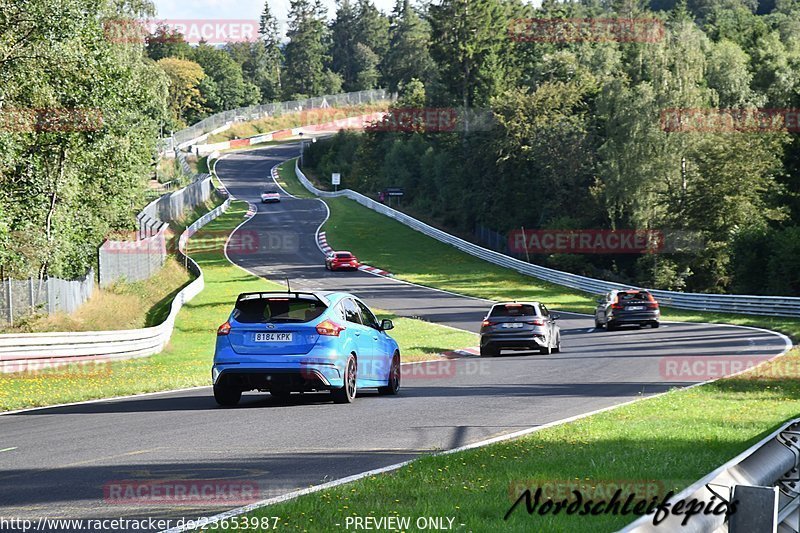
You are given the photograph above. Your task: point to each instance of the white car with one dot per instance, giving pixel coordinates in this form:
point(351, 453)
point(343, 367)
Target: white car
point(270, 195)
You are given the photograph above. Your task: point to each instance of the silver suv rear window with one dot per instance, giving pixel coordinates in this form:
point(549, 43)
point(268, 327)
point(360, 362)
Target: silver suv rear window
point(513, 310)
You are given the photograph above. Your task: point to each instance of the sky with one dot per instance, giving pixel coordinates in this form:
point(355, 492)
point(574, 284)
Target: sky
point(239, 9)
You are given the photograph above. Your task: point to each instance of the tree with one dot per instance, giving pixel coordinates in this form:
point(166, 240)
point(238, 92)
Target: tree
point(468, 41)
point(542, 144)
point(268, 70)
point(253, 59)
point(359, 38)
point(372, 28)
point(411, 94)
point(729, 75)
point(408, 56)
point(184, 87)
point(78, 170)
point(225, 88)
point(166, 42)
point(366, 62)
point(305, 73)
point(343, 45)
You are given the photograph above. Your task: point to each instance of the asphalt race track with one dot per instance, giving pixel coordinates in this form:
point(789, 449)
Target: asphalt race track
point(64, 456)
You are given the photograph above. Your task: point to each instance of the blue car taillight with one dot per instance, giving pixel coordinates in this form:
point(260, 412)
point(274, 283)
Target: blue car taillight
point(329, 328)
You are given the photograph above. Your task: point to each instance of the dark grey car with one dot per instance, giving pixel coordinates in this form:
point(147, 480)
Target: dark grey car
point(519, 326)
point(633, 306)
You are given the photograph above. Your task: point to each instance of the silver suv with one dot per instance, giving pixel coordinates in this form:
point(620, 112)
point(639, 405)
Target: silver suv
point(519, 326)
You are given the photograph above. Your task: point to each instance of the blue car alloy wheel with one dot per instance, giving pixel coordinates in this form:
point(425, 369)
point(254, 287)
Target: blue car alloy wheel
point(284, 342)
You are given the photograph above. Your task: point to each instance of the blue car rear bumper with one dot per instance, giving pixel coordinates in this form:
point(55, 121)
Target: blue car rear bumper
point(321, 368)
point(292, 375)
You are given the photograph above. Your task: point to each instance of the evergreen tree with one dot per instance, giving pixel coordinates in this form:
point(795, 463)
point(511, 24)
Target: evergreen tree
point(408, 56)
point(372, 27)
point(305, 74)
point(344, 34)
point(268, 70)
point(469, 38)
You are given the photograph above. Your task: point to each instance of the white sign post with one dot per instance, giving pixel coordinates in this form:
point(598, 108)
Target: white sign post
point(336, 180)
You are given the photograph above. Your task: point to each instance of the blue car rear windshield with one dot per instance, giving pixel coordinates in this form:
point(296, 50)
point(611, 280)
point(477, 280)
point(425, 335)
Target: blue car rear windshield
point(265, 310)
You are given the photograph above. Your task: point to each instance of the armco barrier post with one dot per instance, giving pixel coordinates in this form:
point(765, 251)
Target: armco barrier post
point(10, 302)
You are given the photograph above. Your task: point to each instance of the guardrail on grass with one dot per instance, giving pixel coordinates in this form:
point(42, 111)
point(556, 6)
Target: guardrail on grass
point(763, 480)
point(19, 353)
point(197, 133)
point(726, 303)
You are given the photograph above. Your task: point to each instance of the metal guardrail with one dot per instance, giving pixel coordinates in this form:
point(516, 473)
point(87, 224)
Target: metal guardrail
point(763, 480)
point(727, 303)
point(197, 132)
point(34, 351)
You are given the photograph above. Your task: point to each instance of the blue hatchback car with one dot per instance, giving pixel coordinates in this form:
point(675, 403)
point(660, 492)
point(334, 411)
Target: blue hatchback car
point(285, 342)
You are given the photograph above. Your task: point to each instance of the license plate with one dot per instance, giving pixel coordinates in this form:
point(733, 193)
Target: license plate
point(512, 325)
point(635, 308)
point(273, 337)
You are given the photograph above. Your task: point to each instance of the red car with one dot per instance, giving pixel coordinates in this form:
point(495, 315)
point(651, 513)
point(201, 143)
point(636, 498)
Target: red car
point(340, 260)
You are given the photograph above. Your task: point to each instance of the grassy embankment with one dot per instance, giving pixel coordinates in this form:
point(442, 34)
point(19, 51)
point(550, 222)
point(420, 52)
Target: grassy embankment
point(665, 442)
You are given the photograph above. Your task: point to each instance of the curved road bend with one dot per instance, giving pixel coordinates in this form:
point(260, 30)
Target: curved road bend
point(64, 457)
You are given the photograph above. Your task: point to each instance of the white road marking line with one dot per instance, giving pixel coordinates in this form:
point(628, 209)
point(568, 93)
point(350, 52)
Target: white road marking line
point(8, 449)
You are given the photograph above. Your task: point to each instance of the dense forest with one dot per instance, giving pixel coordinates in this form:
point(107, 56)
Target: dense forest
point(576, 136)
point(581, 136)
point(79, 119)
point(86, 92)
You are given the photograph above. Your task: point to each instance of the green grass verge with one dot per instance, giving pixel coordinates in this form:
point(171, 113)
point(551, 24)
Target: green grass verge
point(186, 362)
point(288, 180)
point(664, 443)
point(385, 243)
